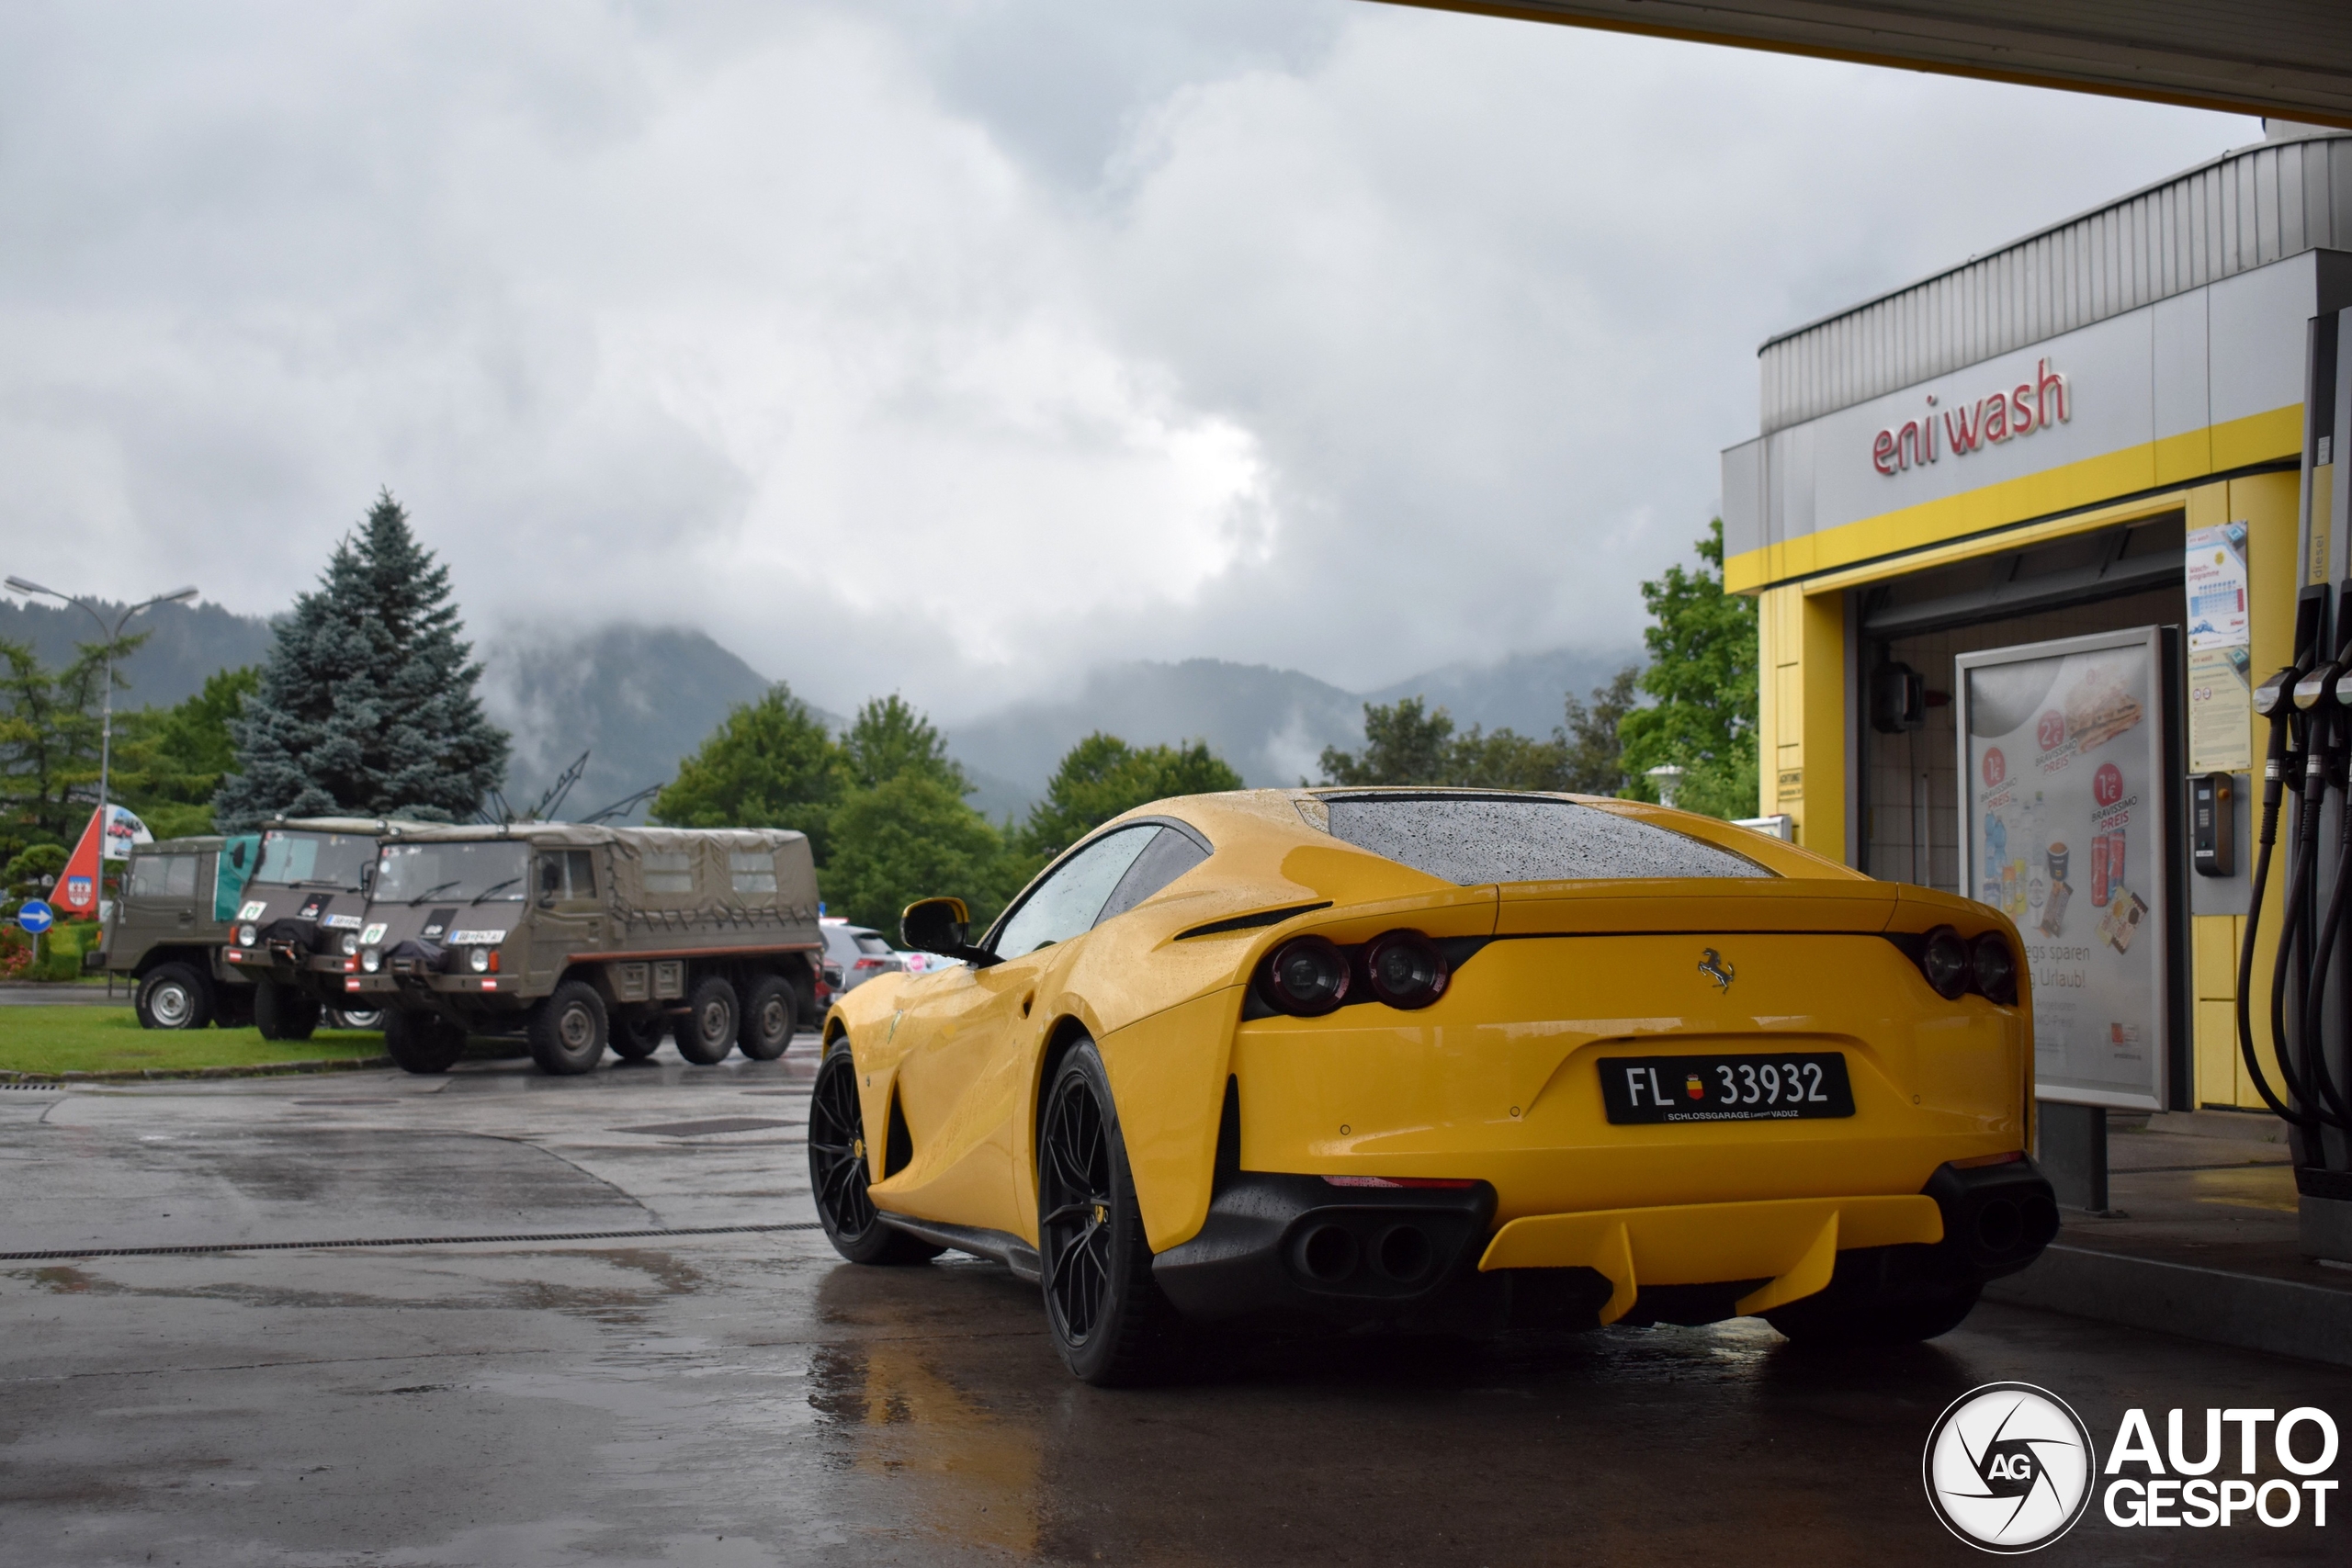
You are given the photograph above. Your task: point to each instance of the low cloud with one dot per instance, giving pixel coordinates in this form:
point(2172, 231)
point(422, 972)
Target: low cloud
point(953, 348)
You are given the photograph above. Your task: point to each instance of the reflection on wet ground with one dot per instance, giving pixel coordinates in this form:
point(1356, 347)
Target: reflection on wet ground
point(749, 1399)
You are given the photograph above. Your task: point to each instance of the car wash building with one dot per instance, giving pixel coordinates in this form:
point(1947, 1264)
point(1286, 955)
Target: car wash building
point(2027, 537)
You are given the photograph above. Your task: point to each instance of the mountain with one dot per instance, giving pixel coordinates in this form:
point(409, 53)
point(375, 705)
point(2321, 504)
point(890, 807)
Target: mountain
point(635, 698)
point(1270, 723)
point(185, 643)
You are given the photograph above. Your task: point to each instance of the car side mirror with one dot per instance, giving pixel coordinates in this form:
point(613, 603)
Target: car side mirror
point(943, 926)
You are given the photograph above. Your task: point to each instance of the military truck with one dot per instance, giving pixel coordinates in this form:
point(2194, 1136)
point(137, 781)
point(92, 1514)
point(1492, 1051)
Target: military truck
point(300, 919)
point(579, 937)
point(168, 928)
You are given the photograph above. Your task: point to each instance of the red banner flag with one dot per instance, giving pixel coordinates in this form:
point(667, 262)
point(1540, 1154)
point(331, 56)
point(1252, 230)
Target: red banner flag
point(77, 890)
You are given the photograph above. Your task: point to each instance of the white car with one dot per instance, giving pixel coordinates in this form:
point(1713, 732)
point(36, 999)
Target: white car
point(861, 952)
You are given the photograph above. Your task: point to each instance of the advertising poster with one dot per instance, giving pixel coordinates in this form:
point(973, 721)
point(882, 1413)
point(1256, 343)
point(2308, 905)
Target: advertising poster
point(2062, 777)
point(2221, 675)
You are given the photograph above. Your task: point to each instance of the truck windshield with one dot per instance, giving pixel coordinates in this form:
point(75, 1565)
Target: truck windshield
point(292, 859)
point(463, 873)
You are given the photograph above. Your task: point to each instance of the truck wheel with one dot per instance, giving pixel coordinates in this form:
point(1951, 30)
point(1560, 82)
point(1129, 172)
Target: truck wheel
point(232, 1007)
point(707, 1033)
point(566, 1031)
point(769, 1019)
point(355, 1018)
point(421, 1042)
point(636, 1038)
point(282, 1012)
point(174, 996)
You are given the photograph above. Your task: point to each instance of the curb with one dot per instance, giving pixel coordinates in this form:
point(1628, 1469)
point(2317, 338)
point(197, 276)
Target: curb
point(153, 1074)
point(2284, 1317)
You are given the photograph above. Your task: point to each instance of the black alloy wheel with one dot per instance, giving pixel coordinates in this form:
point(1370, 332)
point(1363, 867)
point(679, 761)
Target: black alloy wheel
point(838, 1171)
point(637, 1036)
point(423, 1043)
point(1104, 1309)
point(173, 996)
point(282, 1012)
point(769, 1017)
point(707, 1033)
point(566, 1031)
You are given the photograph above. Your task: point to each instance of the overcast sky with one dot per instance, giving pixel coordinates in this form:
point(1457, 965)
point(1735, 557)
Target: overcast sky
point(953, 344)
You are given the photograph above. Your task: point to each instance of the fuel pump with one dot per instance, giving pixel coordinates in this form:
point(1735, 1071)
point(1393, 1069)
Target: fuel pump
point(2274, 701)
point(2321, 696)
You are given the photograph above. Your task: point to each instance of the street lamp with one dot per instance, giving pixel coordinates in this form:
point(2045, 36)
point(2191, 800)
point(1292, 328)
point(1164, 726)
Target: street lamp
point(105, 729)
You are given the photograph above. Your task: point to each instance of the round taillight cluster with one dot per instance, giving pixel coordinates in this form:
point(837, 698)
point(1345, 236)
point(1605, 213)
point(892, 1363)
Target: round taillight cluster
point(1955, 967)
point(1405, 969)
point(1309, 975)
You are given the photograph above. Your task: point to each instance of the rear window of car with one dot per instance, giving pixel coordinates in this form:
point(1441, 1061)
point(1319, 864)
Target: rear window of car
point(871, 942)
point(1474, 840)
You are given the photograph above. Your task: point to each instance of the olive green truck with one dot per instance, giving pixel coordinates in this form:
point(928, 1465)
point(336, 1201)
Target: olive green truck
point(582, 937)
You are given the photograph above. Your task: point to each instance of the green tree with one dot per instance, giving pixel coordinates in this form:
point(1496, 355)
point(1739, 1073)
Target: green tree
point(1404, 743)
point(1702, 669)
point(911, 836)
point(49, 735)
point(1102, 776)
point(366, 703)
point(1592, 759)
point(769, 764)
point(889, 738)
point(169, 761)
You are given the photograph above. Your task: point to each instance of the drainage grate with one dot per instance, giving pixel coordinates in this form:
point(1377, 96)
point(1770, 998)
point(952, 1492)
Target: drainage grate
point(714, 1125)
point(31, 1086)
point(395, 1241)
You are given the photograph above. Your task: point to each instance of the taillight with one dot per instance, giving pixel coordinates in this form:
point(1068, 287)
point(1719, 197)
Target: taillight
point(1994, 968)
point(1954, 967)
point(1307, 976)
point(1943, 959)
point(1405, 969)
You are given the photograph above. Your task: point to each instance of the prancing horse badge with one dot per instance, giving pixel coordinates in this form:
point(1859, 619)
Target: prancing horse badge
point(1716, 967)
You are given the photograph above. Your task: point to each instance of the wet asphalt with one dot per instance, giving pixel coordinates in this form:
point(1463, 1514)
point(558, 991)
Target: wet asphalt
point(740, 1396)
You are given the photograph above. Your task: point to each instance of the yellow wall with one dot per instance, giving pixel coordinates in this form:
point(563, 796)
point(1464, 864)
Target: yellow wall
point(1800, 714)
point(2267, 504)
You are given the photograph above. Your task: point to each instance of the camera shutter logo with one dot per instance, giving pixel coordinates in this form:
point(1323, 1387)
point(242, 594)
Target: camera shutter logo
point(2009, 1467)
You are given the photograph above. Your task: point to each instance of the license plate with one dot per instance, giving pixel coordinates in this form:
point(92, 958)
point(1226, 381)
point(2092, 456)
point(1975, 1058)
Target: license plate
point(1794, 1085)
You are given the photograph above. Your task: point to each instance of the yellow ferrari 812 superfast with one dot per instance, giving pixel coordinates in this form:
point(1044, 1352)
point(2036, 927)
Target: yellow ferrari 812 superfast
point(1443, 1059)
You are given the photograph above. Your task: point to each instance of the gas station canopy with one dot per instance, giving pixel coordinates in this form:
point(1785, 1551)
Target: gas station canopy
point(2283, 59)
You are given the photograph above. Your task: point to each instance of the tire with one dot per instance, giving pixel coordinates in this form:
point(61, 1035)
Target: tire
point(838, 1173)
point(636, 1037)
point(355, 1018)
point(423, 1043)
point(282, 1012)
point(1103, 1310)
point(705, 1033)
point(232, 1007)
point(568, 1031)
point(173, 996)
point(770, 1016)
point(1896, 1323)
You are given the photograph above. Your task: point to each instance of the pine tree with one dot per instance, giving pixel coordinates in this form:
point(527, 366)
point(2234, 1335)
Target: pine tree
point(366, 703)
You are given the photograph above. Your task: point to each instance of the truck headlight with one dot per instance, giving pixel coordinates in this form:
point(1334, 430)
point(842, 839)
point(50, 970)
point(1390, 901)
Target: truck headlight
point(477, 960)
point(245, 935)
point(350, 943)
point(372, 959)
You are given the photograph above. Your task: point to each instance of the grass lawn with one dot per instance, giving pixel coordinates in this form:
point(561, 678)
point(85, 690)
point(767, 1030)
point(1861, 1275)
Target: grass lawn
point(105, 1040)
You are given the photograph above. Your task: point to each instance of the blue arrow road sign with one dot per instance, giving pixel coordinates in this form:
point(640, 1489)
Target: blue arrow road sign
point(36, 916)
